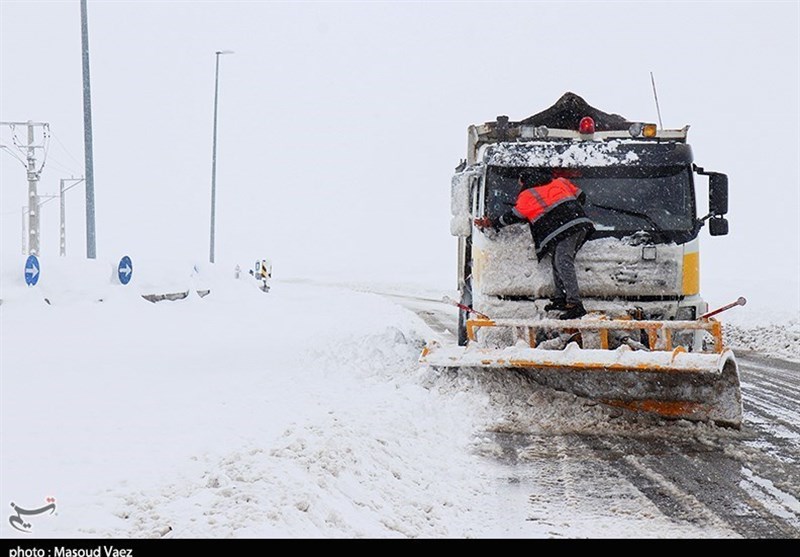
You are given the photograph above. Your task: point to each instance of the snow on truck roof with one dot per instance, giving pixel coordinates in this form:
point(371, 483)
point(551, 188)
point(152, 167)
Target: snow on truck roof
point(546, 154)
point(571, 120)
point(576, 154)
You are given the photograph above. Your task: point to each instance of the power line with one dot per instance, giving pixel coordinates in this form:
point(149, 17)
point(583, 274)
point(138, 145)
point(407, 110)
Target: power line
point(24, 148)
point(10, 152)
point(51, 197)
point(61, 165)
point(67, 151)
point(46, 143)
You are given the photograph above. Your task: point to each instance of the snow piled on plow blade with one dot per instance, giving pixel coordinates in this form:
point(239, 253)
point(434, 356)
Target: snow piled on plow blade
point(673, 384)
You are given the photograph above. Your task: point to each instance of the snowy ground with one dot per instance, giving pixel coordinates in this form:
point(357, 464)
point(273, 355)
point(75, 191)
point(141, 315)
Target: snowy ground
point(766, 337)
point(298, 413)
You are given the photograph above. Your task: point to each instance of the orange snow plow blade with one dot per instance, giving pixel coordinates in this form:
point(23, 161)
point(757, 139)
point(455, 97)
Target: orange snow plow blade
point(654, 377)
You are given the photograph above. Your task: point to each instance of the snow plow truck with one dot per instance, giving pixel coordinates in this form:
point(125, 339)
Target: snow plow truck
point(649, 342)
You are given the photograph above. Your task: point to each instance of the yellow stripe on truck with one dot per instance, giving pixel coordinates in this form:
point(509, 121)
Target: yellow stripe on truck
point(478, 264)
point(691, 273)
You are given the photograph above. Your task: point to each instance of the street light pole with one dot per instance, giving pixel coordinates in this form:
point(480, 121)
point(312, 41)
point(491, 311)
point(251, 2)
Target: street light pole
point(91, 233)
point(214, 154)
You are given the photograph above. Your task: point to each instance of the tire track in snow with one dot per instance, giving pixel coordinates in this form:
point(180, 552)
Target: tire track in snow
point(693, 510)
point(702, 482)
point(779, 503)
point(771, 396)
point(440, 317)
point(584, 480)
point(636, 460)
point(573, 488)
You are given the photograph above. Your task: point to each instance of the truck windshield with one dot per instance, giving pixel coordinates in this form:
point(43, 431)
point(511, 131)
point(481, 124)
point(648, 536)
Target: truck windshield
point(620, 201)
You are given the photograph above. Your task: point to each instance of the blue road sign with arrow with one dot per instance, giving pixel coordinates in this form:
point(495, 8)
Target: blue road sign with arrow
point(32, 270)
point(125, 270)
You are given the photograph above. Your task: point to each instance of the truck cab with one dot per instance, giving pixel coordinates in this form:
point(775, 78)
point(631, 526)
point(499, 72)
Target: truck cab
point(643, 259)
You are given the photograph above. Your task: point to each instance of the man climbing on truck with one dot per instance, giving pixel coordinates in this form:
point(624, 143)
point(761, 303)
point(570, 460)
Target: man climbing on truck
point(553, 207)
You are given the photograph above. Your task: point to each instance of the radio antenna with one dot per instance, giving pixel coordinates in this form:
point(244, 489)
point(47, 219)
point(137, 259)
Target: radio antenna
point(655, 96)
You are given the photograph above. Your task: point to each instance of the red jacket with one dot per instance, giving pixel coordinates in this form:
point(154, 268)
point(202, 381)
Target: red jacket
point(553, 210)
point(533, 203)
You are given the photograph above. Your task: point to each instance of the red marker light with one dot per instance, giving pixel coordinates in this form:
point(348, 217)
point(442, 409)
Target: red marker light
point(586, 125)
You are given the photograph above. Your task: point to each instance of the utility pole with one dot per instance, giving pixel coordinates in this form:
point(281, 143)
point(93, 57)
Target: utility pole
point(63, 227)
point(214, 157)
point(24, 231)
point(62, 236)
point(33, 196)
point(91, 251)
point(33, 173)
point(46, 199)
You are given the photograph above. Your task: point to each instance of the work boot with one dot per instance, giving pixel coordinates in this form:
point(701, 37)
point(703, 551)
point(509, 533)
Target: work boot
point(577, 338)
point(573, 311)
point(556, 304)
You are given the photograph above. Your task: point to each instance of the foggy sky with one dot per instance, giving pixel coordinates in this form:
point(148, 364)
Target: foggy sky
point(340, 123)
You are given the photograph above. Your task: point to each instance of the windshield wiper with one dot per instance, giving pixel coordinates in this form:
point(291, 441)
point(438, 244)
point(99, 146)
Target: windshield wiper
point(644, 216)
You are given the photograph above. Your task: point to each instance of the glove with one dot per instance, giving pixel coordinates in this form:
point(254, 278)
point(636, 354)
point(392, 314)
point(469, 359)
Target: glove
point(483, 223)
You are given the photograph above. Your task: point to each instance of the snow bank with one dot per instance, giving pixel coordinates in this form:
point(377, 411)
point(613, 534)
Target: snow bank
point(297, 413)
point(781, 339)
point(73, 279)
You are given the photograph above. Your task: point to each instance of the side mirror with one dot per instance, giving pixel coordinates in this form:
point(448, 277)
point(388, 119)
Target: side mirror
point(718, 226)
point(717, 201)
point(718, 194)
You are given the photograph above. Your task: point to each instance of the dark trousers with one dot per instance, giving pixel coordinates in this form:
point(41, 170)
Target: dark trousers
point(566, 281)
